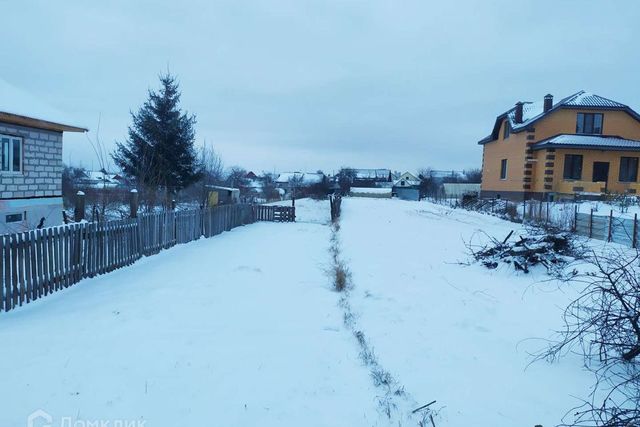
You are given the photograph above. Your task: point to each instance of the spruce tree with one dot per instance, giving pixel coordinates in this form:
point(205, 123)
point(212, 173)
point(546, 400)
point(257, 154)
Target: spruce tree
point(159, 151)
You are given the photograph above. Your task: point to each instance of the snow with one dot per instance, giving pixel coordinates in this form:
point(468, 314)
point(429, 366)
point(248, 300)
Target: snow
point(597, 141)
point(372, 173)
point(302, 177)
point(456, 334)
point(367, 190)
point(244, 329)
point(309, 210)
point(236, 330)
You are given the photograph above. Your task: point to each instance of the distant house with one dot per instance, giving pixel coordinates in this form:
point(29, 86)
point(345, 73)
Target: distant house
point(298, 179)
point(371, 177)
point(446, 175)
point(251, 176)
point(30, 166)
point(100, 179)
point(407, 187)
point(407, 179)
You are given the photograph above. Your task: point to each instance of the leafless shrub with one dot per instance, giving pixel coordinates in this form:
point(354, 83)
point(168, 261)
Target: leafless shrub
point(342, 276)
point(381, 377)
point(603, 325)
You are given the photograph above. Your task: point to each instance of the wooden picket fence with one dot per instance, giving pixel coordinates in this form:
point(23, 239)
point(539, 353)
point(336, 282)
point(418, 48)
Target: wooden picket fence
point(275, 213)
point(36, 263)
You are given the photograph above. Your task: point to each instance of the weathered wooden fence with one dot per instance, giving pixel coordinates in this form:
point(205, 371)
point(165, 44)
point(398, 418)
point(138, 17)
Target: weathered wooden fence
point(36, 263)
point(609, 228)
point(275, 213)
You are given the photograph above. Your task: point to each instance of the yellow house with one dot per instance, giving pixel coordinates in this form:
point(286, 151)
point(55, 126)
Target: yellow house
point(584, 144)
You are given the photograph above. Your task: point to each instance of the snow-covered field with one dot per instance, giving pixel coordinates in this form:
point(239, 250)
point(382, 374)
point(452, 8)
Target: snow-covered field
point(460, 335)
point(243, 329)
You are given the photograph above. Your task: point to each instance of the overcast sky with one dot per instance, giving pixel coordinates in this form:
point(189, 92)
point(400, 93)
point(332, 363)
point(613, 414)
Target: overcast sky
point(306, 85)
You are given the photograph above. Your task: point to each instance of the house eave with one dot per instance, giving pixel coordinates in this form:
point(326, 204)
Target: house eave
point(16, 119)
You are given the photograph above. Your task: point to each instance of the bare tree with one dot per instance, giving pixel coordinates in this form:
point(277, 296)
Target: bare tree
point(212, 173)
point(603, 325)
point(269, 188)
point(346, 177)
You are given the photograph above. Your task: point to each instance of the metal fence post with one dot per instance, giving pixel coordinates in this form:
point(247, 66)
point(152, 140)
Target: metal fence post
point(610, 224)
point(635, 231)
point(575, 217)
point(591, 224)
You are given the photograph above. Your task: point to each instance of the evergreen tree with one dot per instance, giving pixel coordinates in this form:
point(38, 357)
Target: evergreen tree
point(159, 151)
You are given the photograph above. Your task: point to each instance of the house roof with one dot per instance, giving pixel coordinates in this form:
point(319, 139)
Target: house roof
point(372, 173)
point(408, 178)
point(218, 187)
point(593, 142)
point(534, 111)
point(20, 108)
point(302, 177)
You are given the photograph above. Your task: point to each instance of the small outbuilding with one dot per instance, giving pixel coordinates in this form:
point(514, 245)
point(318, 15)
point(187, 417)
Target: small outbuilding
point(222, 195)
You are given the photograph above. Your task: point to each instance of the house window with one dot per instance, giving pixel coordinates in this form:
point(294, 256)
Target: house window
point(572, 166)
point(503, 169)
point(589, 123)
point(14, 218)
point(11, 147)
point(507, 130)
point(628, 169)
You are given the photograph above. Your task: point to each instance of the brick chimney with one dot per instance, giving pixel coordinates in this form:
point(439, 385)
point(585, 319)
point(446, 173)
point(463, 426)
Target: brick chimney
point(548, 102)
point(518, 113)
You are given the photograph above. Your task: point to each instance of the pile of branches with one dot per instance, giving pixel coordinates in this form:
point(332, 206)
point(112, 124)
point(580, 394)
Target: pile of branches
point(551, 250)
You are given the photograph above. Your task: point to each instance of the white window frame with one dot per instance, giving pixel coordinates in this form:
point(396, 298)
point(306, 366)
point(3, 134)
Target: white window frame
point(506, 169)
point(11, 138)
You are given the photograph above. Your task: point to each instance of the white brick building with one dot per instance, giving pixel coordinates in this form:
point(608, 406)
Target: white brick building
point(30, 171)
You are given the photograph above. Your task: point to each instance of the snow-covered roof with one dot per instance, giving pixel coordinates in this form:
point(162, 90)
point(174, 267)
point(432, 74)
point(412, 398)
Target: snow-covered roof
point(372, 173)
point(446, 174)
point(407, 179)
point(300, 177)
point(599, 142)
point(17, 102)
point(366, 190)
point(218, 187)
point(534, 111)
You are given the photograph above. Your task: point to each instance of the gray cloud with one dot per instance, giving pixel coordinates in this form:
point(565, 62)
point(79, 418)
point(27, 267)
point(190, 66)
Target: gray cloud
point(320, 84)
